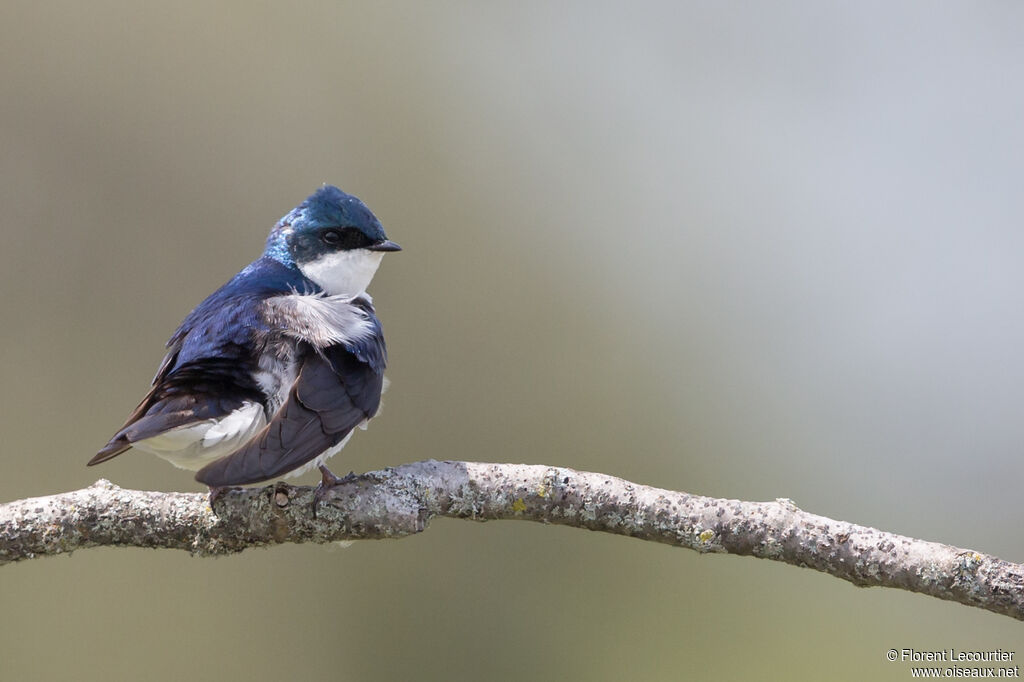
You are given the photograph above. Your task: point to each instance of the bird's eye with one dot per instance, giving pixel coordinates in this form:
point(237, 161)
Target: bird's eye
point(345, 238)
point(331, 237)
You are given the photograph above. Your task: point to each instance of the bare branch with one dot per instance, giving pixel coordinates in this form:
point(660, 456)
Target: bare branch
point(400, 501)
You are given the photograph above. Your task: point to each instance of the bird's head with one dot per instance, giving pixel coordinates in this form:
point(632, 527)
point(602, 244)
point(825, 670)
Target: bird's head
point(333, 239)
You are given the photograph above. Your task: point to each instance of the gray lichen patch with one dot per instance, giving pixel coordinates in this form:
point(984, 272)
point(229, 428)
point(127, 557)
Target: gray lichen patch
point(397, 502)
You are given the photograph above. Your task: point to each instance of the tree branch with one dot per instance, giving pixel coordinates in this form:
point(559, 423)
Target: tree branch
point(397, 502)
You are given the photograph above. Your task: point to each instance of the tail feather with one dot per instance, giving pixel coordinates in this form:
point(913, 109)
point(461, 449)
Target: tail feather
point(112, 449)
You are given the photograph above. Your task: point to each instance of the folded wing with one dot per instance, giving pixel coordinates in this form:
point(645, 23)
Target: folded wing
point(194, 393)
point(335, 391)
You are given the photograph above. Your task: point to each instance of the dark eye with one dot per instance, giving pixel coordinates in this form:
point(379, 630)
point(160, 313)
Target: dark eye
point(345, 238)
point(332, 237)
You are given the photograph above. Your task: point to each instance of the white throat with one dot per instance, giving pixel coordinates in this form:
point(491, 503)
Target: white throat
point(343, 273)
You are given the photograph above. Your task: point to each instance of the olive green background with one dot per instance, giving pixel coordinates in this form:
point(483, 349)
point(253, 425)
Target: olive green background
point(748, 250)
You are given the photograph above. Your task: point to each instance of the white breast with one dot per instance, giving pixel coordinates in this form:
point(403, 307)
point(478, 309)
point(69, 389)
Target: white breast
point(343, 273)
point(318, 319)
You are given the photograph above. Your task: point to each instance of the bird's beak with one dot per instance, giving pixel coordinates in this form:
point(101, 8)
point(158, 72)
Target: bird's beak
point(386, 245)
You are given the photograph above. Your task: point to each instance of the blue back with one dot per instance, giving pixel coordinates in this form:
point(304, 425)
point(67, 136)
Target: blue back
point(221, 328)
point(222, 325)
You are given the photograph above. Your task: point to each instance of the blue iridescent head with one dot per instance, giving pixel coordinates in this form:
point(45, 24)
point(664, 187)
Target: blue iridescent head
point(333, 238)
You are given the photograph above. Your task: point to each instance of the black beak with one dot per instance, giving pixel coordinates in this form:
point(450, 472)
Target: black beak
point(386, 245)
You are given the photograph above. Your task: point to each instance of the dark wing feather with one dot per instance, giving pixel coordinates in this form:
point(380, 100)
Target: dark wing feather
point(199, 391)
point(207, 373)
point(335, 391)
point(120, 442)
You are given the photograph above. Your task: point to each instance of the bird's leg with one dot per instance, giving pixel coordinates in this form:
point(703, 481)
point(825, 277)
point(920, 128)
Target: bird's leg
point(327, 481)
point(215, 493)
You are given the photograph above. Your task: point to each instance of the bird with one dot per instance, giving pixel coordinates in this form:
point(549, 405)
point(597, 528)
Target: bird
point(269, 376)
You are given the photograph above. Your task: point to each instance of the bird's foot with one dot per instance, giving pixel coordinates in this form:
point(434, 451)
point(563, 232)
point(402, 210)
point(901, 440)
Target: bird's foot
point(327, 481)
point(216, 492)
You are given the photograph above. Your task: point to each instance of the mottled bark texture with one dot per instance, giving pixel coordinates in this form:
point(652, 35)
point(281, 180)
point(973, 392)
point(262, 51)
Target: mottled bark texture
point(400, 501)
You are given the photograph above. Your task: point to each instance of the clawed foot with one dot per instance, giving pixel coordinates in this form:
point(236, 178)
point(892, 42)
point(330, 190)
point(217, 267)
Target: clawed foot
point(215, 493)
point(327, 481)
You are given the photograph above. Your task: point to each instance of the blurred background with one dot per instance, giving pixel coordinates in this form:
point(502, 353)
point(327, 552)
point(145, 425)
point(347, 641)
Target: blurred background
point(742, 250)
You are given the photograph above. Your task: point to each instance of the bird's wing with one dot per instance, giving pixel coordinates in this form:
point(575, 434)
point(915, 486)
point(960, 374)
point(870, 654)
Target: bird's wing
point(334, 392)
point(193, 394)
point(206, 374)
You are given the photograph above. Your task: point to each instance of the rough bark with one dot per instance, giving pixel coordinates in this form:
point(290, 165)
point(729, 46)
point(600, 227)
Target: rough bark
point(397, 502)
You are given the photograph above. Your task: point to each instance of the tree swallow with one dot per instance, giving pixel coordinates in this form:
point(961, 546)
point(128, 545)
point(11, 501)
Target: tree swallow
point(272, 372)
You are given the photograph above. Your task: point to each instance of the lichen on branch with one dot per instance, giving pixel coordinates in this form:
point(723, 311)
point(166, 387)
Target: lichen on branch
point(401, 501)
